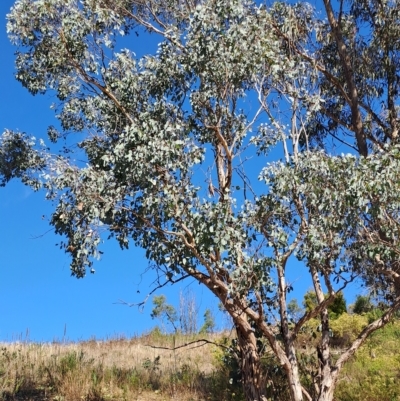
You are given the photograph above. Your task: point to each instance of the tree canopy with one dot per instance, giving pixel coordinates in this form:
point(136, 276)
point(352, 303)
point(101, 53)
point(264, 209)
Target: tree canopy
point(220, 153)
point(336, 308)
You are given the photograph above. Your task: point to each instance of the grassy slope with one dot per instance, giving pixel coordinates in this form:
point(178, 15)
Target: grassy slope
point(116, 369)
point(132, 369)
point(374, 372)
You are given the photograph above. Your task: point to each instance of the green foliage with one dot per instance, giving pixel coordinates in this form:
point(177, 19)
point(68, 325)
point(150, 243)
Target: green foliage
point(294, 310)
point(163, 311)
point(362, 305)
point(209, 322)
point(347, 327)
point(18, 158)
point(310, 300)
point(336, 308)
point(226, 360)
point(374, 370)
point(152, 367)
point(70, 362)
point(374, 314)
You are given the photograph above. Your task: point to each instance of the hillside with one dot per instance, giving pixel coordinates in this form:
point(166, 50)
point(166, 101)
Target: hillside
point(148, 369)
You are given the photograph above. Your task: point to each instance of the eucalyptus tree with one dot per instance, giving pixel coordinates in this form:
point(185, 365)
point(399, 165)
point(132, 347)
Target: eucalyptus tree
point(174, 141)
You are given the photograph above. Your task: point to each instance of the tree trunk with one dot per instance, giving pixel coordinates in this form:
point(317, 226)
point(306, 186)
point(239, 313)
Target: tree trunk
point(327, 383)
point(292, 369)
point(326, 374)
point(327, 389)
point(253, 379)
point(293, 374)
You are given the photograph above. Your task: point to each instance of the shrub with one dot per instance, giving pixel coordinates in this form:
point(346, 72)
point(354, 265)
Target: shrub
point(347, 327)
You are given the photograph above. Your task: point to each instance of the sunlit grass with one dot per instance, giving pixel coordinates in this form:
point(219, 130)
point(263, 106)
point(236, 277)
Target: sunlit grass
point(115, 369)
point(147, 368)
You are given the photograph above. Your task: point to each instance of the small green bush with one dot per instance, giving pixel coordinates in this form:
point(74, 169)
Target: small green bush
point(347, 327)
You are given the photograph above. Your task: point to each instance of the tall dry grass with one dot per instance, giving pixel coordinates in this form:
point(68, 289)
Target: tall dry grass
point(151, 367)
point(157, 367)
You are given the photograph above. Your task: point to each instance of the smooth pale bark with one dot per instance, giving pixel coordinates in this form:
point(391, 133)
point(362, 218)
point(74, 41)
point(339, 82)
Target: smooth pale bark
point(292, 369)
point(326, 383)
point(293, 374)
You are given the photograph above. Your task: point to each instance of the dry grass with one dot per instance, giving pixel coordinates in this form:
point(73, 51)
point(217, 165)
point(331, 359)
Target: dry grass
point(148, 368)
point(116, 369)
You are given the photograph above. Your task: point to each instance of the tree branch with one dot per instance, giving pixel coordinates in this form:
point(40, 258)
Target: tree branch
point(190, 343)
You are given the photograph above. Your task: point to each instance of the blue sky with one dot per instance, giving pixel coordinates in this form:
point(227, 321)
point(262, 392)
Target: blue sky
point(39, 300)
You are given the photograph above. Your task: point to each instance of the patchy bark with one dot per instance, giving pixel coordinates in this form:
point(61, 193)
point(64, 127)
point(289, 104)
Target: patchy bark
point(253, 378)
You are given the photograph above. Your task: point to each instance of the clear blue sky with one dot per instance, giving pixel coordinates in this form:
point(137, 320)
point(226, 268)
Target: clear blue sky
point(38, 297)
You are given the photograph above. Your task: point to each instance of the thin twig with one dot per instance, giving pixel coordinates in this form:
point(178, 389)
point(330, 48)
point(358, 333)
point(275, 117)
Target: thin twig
point(190, 343)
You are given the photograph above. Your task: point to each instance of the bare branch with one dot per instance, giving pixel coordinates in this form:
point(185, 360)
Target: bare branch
point(203, 340)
